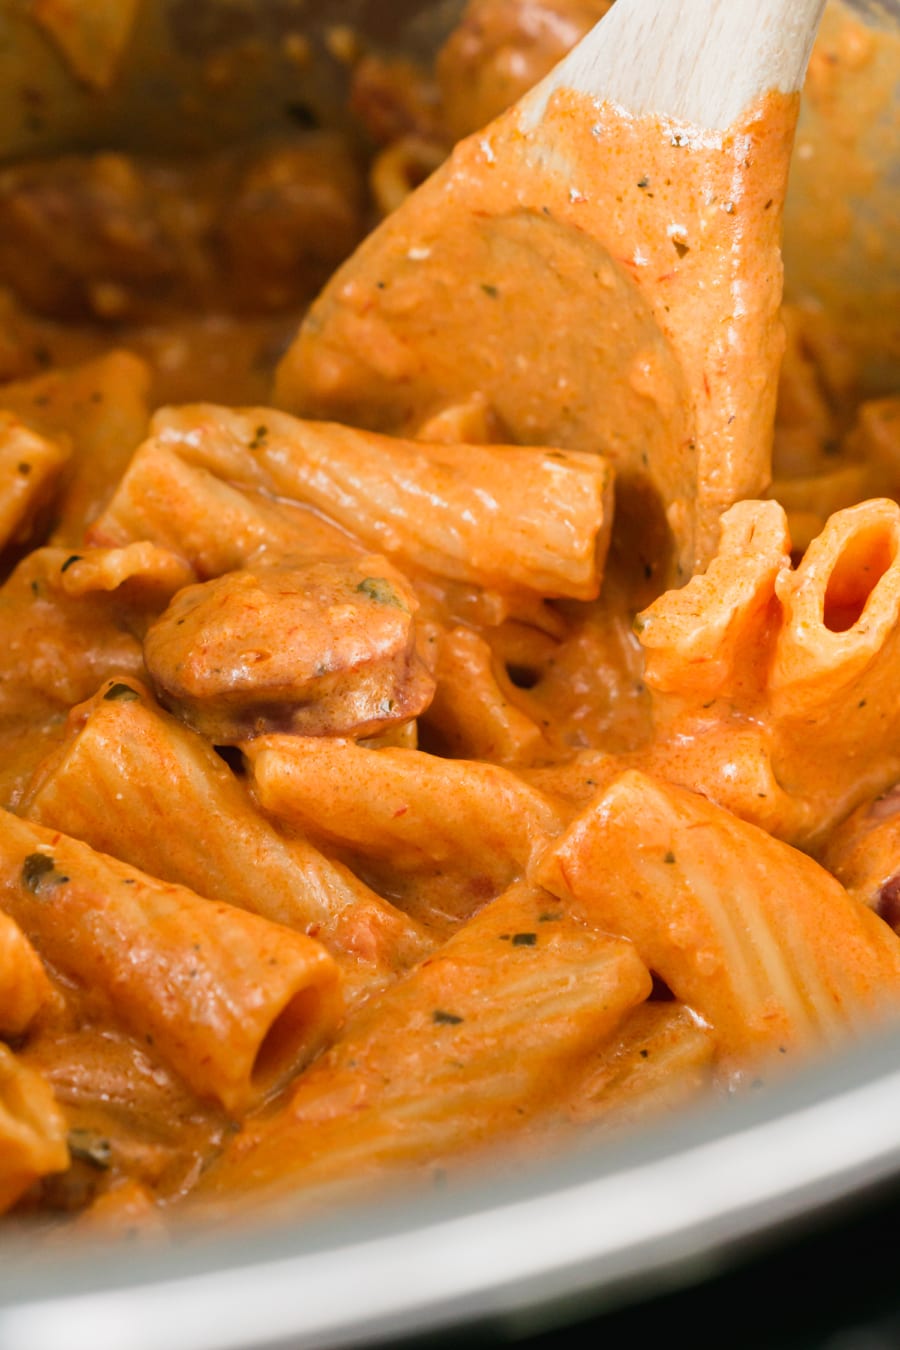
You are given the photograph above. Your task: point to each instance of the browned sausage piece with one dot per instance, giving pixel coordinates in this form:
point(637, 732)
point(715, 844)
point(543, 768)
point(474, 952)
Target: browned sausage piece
point(327, 649)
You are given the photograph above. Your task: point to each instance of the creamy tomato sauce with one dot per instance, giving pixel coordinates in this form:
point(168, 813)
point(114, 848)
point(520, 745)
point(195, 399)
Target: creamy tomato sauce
point(606, 283)
point(341, 717)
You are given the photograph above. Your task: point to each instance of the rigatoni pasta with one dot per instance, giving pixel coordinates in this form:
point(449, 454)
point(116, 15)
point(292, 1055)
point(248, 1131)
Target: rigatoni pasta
point(32, 1129)
point(495, 1022)
point(135, 783)
point(233, 1003)
point(477, 735)
point(754, 935)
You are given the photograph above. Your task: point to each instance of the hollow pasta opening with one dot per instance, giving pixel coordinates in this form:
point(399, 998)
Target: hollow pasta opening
point(290, 1040)
point(857, 571)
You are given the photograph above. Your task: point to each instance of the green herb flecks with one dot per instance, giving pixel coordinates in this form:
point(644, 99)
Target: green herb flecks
point(381, 591)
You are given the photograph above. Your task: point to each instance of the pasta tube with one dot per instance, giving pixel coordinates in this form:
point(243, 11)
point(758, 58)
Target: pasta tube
point(709, 637)
point(216, 526)
point(762, 942)
point(58, 646)
point(233, 1003)
point(661, 1059)
point(409, 808)
point(832, 686)
point(772, 687)
point(32, 1129)
point(30, 468)
point(475, 710)
point(809, 501)
point(494, 1023)
point(513, 518)
point(100, 408)
point(864, 854)
point(133, 782)
point(876, 439)
point(24, 985)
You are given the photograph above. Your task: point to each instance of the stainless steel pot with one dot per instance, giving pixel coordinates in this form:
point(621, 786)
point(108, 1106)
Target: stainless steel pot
point(581, 1233)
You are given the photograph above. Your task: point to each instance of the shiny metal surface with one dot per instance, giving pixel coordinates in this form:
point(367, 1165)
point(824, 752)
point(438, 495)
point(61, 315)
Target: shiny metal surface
point(674, 1204)
point(586, 1232)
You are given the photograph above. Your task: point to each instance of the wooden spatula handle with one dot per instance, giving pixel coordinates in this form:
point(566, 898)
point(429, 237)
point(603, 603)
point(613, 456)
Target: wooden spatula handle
point(699, 61)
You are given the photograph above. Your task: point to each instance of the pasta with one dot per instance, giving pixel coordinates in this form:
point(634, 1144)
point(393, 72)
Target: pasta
point(233, 1003)
point(517, 996)
point(456, 729)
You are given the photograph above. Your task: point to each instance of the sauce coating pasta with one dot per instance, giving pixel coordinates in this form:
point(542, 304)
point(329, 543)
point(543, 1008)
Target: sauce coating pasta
point(480, 730)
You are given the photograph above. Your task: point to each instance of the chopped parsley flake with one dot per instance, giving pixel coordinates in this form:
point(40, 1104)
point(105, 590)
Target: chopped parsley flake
point(381, 591)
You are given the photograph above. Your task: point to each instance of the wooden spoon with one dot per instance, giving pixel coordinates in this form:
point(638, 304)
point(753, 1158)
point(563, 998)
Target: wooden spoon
point(598, 270)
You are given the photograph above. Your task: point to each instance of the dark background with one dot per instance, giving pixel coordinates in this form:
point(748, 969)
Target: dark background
point(832, 1286)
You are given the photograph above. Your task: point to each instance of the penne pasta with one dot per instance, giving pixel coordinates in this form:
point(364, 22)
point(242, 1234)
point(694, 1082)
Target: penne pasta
point(126, 1114)
point(214, 525)
point(443, 835)
point(400, 168)
point(661, 1059)
point(875, 439)
point(709, 638)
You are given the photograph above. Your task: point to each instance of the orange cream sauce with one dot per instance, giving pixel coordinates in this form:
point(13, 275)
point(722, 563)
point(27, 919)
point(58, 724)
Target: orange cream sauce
point(601, 283)
point(606, 283)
